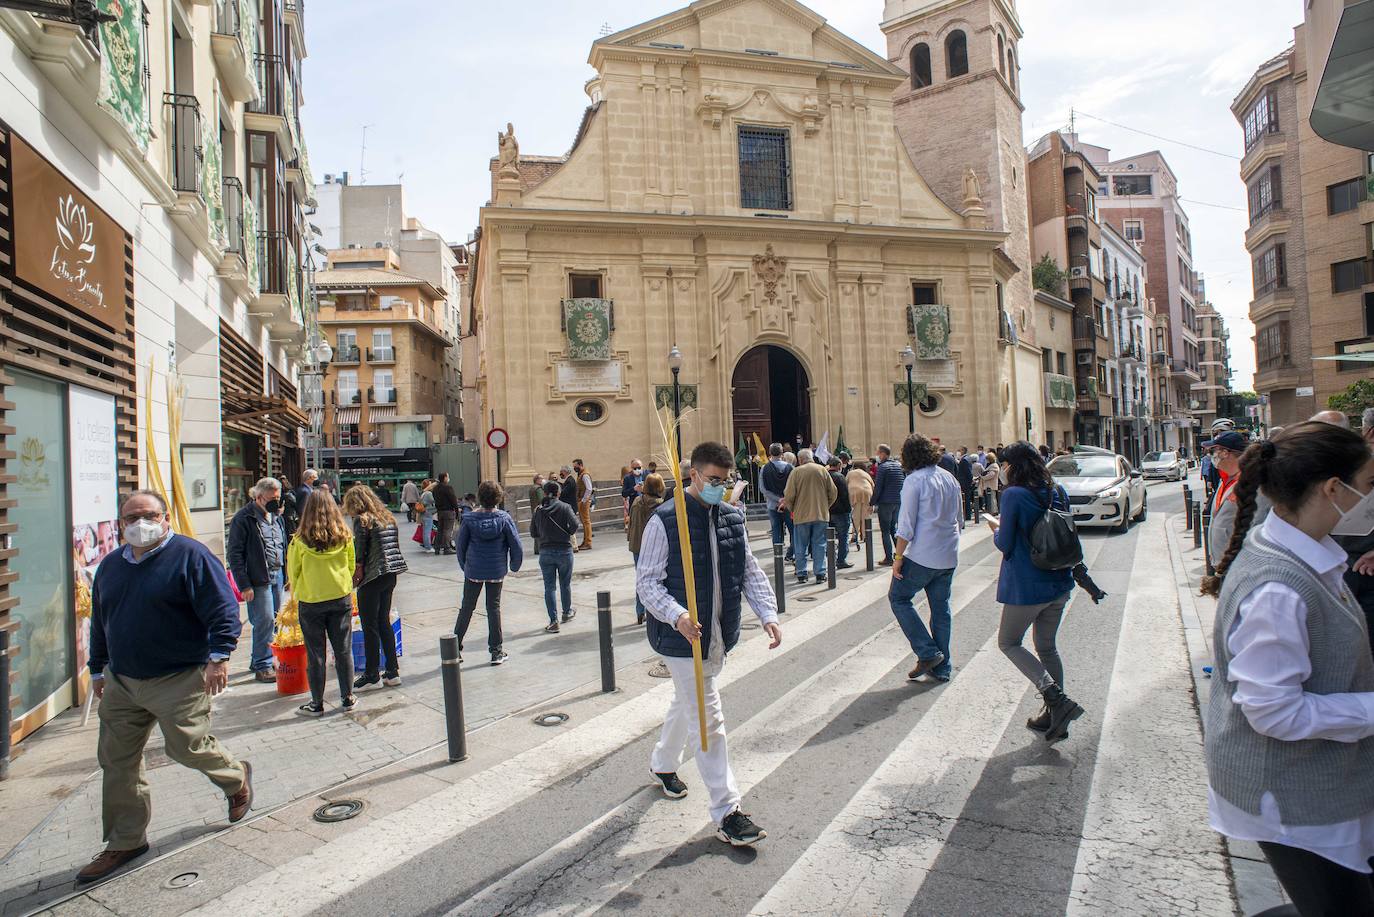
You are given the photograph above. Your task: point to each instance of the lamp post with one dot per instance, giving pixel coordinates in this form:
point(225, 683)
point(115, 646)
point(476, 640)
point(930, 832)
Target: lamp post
point(675, 364)
point(317, 359)
point(909, 361)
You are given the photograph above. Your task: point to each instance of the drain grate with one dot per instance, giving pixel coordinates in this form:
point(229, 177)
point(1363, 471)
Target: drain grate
point(551, 719)
point(182, 880)
point(804, 598)
point(338, 810)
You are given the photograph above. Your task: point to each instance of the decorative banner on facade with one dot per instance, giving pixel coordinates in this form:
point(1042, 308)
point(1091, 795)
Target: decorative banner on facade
point(1059, 391)
point(929, 325)
point(289, 87)
point(1089, 388)
point(93, 481)
point(918, 393)
point(212, 178)
point(663, 397)
point(249, 34)
point(122, 59)
point(250, 247)
point(293, 284)
point(64, 244)
point(588, 323)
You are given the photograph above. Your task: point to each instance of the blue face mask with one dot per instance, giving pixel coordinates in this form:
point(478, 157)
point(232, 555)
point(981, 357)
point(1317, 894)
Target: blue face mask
point(713, 493)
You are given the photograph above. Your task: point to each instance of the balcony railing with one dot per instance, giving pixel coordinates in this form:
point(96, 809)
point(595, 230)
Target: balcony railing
point(271, 85)
point(381, 354)
point(188, 156)
point(272, 262)
point(1265, 289)
point(350, 396)
point(1086, 329)
point(1265, 210)
point(235, 243)
point(351, 354)
point(381, 395)
point(227, 20)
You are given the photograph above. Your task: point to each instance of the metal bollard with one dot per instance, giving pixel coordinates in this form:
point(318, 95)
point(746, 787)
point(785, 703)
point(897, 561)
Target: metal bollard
point(603, 626)
point(830, 555)
point(978, 510)
point(453, 699)
point(1197, 525)
point(868, 543)
point(779, 572)
point(1187, 513)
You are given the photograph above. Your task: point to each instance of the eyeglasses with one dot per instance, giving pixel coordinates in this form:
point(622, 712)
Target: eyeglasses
point(150, 516)
point(718, 481)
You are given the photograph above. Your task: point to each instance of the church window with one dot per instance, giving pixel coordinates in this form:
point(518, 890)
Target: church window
point(765, 169)
point(920, 66)
point(1011, 68)
point(585, 286)
point(1002, 55)
point(956, 54)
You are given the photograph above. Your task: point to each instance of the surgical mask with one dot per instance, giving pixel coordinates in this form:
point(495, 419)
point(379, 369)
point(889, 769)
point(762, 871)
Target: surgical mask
point(1357, 521)
point(143, 534)
point(273, 506)
point(713, 493)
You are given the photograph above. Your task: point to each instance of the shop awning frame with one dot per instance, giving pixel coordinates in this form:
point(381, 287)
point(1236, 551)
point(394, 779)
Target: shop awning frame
point(268, 413)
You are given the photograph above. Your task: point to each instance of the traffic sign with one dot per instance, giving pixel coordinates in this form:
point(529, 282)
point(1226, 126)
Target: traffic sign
point(498, 438)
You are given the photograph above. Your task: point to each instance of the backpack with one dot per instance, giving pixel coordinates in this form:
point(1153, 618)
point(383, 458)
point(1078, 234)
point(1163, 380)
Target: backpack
point(1054, 543)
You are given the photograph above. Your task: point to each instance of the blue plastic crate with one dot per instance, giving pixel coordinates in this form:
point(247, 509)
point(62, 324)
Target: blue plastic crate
point(360, 654)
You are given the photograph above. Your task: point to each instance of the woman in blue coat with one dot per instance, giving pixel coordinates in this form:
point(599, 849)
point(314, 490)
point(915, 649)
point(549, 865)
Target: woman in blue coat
point(1032, 598)
point(488, 549)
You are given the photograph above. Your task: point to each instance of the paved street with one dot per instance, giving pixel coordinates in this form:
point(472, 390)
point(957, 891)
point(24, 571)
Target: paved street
point(879, 796)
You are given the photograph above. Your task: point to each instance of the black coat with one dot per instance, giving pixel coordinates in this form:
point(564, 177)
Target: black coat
point(377, 550)
point(246, 554)
point(568, 491)
point(964, 472)
point(554, 524)
point(841, 505)
point(445, 498)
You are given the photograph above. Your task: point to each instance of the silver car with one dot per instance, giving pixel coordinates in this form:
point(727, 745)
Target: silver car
point(1103, 488)
point(1163, 466)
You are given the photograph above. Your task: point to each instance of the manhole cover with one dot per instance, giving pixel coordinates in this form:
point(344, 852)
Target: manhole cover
point(853, 577)
point(183, 880)
point(338, 810)
point(551, 719)
point(805, 598)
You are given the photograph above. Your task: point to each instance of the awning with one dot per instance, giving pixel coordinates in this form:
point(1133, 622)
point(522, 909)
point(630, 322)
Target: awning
point(1359, 356)
point(381, 413)
point(262, 413)
point(1343, 111)
point(348, 415)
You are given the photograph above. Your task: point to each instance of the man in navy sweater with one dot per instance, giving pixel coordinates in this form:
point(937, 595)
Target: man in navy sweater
point(163, 623)
point(887, 498)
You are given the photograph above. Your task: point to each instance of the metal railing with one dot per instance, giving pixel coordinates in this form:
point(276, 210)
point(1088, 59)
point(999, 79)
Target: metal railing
point(381, 395)
point(188, 156)
point(1264, 289)
point(1085, 328)
point(348, 396)
point(272, 262)
point(271, 85)
point(352, 354)
point(236, 242)
point(381, 354)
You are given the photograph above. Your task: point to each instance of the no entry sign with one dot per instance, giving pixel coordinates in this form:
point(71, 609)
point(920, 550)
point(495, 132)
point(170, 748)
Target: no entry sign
point(498, 438)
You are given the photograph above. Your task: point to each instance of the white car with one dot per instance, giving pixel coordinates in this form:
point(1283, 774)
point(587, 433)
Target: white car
point(1163, 466)
point(1103, 488)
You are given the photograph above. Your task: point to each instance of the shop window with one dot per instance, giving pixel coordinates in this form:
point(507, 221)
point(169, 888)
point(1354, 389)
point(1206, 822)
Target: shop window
point(241, 453)
point(348, 435)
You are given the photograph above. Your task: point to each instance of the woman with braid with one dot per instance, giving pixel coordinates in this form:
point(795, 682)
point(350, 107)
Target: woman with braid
point(1290, 724)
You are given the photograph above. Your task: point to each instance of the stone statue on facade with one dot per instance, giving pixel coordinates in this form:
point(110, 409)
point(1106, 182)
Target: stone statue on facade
point(973, 194)
point(509, 151)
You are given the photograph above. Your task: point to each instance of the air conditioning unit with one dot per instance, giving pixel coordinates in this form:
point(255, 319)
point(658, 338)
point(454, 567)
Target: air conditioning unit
point(1085, 359)
point(1078, 273)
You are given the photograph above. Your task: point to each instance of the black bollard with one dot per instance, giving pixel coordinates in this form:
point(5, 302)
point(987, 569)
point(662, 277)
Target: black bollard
point(453, 699)
point(1197, 525)
point(868, 543)
point(978, 510)
point(779, 571)
point(603, 626)
point(830, 552)
point(1187, 513)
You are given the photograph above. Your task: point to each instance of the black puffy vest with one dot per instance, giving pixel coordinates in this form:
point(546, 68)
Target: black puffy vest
point(732, 544)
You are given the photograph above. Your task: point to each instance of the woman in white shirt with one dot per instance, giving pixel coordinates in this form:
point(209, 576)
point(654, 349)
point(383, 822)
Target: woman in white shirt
point(1290, 723)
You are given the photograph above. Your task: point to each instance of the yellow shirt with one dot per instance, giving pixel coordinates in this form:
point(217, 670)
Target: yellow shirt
point(319, 576)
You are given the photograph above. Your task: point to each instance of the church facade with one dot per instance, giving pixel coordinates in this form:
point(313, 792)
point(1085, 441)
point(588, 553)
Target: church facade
point(738, 192)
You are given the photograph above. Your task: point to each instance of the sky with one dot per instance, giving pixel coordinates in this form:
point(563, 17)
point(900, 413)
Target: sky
point(419, 95)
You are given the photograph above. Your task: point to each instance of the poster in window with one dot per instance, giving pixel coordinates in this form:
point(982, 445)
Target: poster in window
point(94, 485)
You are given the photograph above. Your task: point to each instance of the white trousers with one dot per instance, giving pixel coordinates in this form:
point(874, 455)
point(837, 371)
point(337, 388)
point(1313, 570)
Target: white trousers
point(680, 727)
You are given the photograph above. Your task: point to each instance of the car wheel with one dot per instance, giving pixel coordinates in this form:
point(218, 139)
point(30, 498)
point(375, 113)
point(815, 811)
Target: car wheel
point(1125, 524)
point(1144, 508)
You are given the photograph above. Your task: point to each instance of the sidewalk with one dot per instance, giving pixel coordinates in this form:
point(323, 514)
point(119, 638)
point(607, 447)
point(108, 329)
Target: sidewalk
point(1256, 888)
point(52, 799)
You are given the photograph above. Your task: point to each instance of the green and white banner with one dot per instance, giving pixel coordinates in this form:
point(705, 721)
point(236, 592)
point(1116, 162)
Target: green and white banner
point(917, 393)
point(249, 33)
point(122, 59)
point(289, 86)
point(686, 396)
point(212, 176)
point(250, 246)
point(1059, 391)
point(293, 283)
point(588, 323)
point(929, 325)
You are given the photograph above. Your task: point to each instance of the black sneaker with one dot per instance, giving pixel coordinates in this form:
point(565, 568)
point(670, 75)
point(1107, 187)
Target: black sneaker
point(310, 709)
point(498, 657)
point(568, 616)
point(738, 831)
point(552, 628)
point(349, 702)
point(673, 788)
point(844, 566)
point(802, 579)
point(363, 683)
point(393, 680)
point(820, 578)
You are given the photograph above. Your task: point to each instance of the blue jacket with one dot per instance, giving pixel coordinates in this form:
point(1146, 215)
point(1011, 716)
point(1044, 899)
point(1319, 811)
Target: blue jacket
point(488, 545)
point(732, 545)
point(887, 486)
point(1022, 582)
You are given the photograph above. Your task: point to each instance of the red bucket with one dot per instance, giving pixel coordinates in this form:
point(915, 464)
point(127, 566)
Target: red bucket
point(291, 678)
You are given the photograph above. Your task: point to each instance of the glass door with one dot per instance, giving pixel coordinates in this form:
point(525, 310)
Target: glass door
point(43, 537)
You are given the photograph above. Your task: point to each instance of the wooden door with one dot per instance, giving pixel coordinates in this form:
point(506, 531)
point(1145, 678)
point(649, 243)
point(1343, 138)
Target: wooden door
point(753, 412)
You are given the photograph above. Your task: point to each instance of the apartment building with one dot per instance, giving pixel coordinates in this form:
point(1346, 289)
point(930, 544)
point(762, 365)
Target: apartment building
point(384, 389)
point(1130, 321)
point(153, 190)
point(1214, 362)
point(1311, 232)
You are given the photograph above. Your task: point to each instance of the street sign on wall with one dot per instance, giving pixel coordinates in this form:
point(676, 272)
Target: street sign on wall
point(498, 439)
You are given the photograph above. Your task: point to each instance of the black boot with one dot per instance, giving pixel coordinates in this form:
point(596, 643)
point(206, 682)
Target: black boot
point(1040, 722)
point(1062, 712)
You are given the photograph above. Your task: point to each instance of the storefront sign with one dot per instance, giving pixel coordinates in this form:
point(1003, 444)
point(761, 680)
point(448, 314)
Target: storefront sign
point(94, 484)
point(64, 244)
point(584, 378)
point(1304, 391)
point(377, 462)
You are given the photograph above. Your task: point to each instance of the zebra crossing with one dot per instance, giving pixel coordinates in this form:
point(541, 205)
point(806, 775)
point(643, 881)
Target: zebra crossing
point(879, 796)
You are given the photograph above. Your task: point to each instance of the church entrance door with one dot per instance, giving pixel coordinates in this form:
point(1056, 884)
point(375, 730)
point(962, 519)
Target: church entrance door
point(771, 397)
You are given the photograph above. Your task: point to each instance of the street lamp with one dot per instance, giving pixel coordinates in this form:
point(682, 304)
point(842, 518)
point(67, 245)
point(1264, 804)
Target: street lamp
point(675, 364)
point(909, 361)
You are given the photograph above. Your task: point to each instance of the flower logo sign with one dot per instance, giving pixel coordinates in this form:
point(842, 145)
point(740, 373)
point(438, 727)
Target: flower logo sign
point(75, 250)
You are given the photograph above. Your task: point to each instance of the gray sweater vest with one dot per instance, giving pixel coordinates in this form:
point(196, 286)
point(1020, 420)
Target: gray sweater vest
point(1315, 781)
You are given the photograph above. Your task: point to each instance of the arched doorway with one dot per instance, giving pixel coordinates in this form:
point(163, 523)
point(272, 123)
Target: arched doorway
point(771, 396)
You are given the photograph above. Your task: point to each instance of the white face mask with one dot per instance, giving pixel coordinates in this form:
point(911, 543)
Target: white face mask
point(1359, 519)
point(143, 534)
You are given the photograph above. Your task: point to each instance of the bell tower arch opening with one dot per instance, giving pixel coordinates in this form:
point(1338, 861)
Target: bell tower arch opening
point(771, 396)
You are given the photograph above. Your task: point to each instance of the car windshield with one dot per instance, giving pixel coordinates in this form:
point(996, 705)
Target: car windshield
point(1084, 466)
point(1159, 456)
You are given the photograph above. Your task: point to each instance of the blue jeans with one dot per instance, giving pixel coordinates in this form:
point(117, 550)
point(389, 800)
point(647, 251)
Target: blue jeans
point(557, 565)
point(887, 522)
point(426, 529)
point(937, 584)
point(262, 615)
point(809, 540)
point(779, 520)
point(640, 610)
point(841, 521)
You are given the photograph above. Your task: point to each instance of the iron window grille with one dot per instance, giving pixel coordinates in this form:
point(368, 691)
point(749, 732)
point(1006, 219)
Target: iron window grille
point(765, 169)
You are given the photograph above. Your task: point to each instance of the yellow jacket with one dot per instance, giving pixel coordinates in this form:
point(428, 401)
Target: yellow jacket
point(319, 576)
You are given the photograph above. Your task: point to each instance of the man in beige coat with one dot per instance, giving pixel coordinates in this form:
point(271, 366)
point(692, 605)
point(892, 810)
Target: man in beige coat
point(808, 495)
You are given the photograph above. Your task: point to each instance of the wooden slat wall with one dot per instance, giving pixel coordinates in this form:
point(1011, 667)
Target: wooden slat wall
point(52, 338)
point(285, 452)
point(240, 368)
